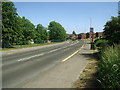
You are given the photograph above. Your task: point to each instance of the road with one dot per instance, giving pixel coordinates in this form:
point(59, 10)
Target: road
point(21, 67)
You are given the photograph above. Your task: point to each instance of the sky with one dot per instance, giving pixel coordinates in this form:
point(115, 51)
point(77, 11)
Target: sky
point(73, 16)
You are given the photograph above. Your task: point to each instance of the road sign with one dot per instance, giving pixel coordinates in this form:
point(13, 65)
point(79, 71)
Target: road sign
point(91, 29)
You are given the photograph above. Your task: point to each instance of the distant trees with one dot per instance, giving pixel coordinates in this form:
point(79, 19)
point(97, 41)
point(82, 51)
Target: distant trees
point(17, 30)
point(56, 31)
point(87, 35)
point(41, 34)
point(28, 30)
point(73, 33)
point(112, 30)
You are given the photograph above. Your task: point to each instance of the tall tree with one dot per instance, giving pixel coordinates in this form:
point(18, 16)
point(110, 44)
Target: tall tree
point(73, 33)
point(9, 21)
point(41, 34)
point(56, 31)
point(28, 29)
point(14, 28)
point(112, 30)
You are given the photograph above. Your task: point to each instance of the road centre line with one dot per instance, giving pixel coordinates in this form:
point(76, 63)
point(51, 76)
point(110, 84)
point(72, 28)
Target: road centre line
point(27, 58)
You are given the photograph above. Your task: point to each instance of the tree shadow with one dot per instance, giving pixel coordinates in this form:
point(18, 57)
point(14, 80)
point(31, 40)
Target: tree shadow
point(87, 55)
point(92, 82)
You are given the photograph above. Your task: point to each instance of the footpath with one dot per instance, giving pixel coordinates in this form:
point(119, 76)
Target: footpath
point(65, 74)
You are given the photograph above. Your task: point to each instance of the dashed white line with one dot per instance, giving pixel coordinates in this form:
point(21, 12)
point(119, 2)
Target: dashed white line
point(27, 58)
point(23, 59)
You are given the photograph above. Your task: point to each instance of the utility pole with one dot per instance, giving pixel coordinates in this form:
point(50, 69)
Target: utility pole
point(90, 28)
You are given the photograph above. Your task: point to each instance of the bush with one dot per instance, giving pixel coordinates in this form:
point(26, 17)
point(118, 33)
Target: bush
point(6, 44)
point(24, 42)
point(109, 67)
point(101, 43)
point(96, 40)
point(38, 41)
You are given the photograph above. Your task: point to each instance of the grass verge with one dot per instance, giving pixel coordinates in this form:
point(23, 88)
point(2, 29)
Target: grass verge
point(26, 46)
point(109, 67)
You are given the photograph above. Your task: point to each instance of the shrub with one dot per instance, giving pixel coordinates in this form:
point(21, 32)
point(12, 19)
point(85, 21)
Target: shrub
point(24, 42)
point(101, 44)
point(6, 44)
point(38, 41)
point(109, 67)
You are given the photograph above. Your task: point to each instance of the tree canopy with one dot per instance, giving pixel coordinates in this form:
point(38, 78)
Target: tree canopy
point(19, 30)
point(112, 30)
point(9, 20)
point(56, 31)
point(73, 33)
point(41, 34)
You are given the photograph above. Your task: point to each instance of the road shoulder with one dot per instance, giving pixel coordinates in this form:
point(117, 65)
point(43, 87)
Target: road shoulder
point(88, 78)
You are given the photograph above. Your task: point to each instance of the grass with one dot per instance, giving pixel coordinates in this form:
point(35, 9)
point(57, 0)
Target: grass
point(103, 71)
point(26, 46)
point(109, 67)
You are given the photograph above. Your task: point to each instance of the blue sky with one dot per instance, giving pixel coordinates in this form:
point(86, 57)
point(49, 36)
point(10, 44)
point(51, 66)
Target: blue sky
point(71, 15)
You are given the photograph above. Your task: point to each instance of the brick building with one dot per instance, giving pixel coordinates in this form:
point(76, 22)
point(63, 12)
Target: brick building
point(82, 36)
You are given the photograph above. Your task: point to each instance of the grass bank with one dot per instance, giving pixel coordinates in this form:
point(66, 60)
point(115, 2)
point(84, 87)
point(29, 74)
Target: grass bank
point(103, 71)
point(26, 46)
point(108, 64)
point(109, 67)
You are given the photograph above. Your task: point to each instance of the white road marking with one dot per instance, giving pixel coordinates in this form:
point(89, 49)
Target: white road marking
point(23, 59)
point(27, 58)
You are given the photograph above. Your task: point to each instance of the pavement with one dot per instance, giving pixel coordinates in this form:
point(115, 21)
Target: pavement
point(64, 74)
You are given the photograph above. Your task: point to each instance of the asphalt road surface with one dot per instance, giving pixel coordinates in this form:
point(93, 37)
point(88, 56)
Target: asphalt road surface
point(20, 67)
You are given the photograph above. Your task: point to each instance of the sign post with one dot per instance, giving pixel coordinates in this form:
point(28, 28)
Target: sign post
point(92, 41)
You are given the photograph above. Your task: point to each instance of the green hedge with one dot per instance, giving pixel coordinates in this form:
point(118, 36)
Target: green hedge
point(101, 42)
point(6, 44)
point(38, 41)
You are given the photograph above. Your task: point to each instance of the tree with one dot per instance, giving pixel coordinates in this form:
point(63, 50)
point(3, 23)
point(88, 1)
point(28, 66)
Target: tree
point(9, 21)
point(87, 35)
point(28, 29)
point(56, 31)
point(41, 34)
point(112, 30)
point(14, 28)
point(73, 33)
